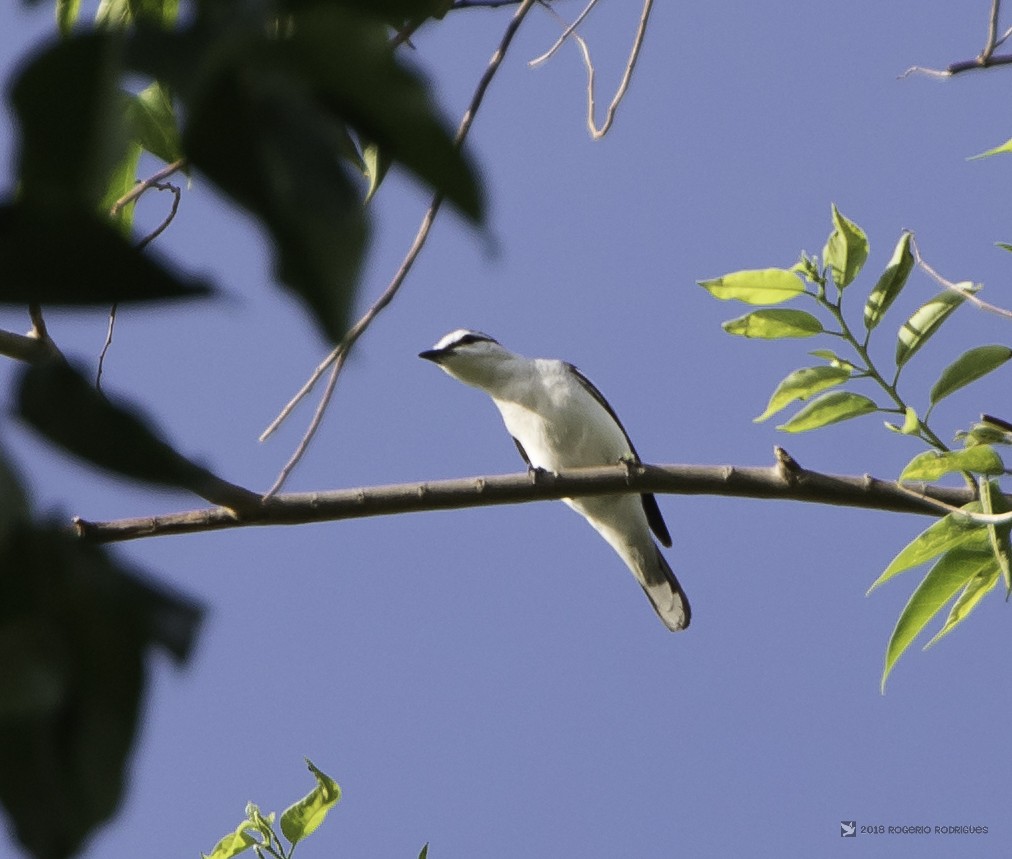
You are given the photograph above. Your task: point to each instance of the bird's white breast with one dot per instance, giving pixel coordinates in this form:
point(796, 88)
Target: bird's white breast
point(558, 422)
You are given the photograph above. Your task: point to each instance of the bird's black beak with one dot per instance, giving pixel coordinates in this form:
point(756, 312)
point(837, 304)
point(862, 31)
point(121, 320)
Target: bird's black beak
point(433, 355)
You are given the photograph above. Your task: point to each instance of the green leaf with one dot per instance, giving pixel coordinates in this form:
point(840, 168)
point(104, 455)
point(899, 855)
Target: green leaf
point(947, 533)
point(954, 570)
point(846, 250)
point(976, 589)
point(117, 14)
point(998, 150)
point(376, 166)
point(969, 367)
point(807, 268)
point(986, 431)
point(890, 283)
point(926, 321)
point(802, 384)
point(911, 423)
point(759, 286)
point(120, 183)
point(933, 464)
point(302, 818)
point(425, 852)
point(834, 359)
point(72, 133)
point(1005, 246)
point(95, 265)
point(66, 15)
point(774, 324)
point(152, 123)
point(828, 409)
point(233, 844)
point(993, 501)
point(260, 822)
point(59, 403)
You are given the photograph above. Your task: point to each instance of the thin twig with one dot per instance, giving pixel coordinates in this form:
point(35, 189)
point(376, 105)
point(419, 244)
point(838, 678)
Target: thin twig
point(597, 132)
point(719, 480)
point(958, 512)
point(143, 243)
point(336, 357)
point(992, 33)
point(157, 231)
point(547, 55)
point(955, 287)
point(986, 59)
point(105, 346)
point(143, 186)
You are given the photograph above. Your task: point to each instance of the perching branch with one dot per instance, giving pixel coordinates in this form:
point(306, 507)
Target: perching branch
point(340, 353)
point(784, 481)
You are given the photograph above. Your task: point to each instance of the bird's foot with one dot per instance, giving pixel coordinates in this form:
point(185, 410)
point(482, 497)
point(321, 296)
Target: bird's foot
point(538, 474)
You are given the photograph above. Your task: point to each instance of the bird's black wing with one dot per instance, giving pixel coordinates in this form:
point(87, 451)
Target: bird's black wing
point(523, 452)
point(654, 518)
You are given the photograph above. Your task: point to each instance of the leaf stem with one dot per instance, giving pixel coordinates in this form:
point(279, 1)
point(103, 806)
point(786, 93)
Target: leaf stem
point(871, 371)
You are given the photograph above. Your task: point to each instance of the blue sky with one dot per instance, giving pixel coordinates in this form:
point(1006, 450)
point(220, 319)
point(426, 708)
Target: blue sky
point(492, 681)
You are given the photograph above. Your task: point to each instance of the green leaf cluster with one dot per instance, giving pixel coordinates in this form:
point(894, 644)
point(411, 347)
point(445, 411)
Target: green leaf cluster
point(973, 556)
point(973, 552)
point(297, 822)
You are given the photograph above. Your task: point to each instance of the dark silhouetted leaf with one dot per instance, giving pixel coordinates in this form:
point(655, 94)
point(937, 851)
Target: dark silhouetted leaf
point(266, 145)
point(55, 255)
point(72, 130)
point(75, 628)
point(60, 404)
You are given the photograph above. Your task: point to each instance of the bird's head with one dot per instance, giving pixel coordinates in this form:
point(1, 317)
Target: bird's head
point(470, 356)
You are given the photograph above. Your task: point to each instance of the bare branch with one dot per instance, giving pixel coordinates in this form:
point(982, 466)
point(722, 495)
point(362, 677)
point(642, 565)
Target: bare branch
point(337, 356)
point(774, 482)
point(986, 59)
point(992, 32)
point(24, 347)
point(955, 287)
point(597, 132)
point(547, 55)
point(143, 243)
point(150, 182)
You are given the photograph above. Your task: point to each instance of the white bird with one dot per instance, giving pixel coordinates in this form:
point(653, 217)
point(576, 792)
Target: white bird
point(559, 420)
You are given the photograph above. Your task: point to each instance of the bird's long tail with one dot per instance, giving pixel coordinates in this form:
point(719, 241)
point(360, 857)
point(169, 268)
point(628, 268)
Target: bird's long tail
point(664, 592)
